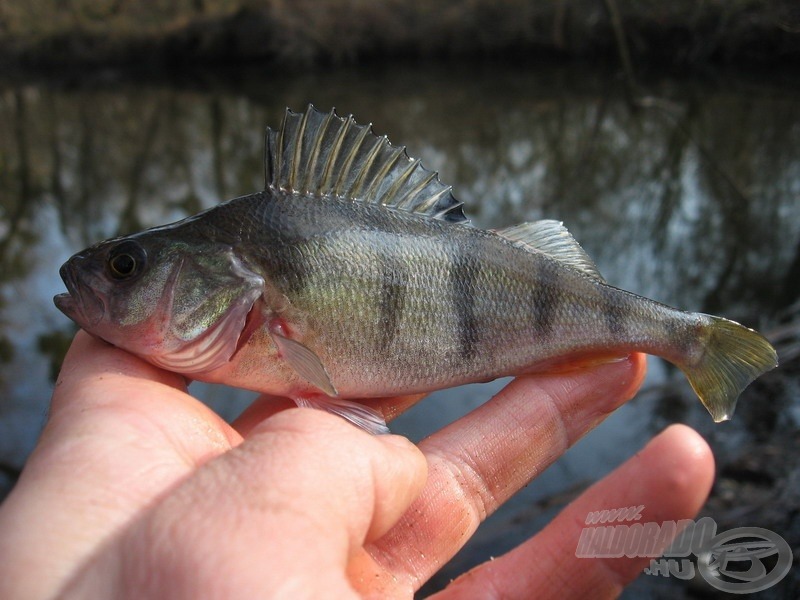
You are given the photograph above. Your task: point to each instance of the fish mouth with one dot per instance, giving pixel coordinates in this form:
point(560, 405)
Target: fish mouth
point(80, 303)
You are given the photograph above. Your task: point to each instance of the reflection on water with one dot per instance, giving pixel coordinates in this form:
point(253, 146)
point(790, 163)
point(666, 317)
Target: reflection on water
point(692, 200)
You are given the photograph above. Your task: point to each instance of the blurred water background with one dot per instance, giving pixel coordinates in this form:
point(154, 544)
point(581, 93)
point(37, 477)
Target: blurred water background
point(687, 191)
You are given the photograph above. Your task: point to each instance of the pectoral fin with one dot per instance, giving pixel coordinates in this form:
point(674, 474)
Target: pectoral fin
point(305, 362)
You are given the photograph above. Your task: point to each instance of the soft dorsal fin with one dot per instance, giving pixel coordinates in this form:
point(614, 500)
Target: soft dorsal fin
point(552, 238)
point(323, 154)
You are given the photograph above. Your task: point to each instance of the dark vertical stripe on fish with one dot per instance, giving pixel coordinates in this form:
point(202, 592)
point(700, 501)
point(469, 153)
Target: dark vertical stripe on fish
point(280, 244)
point(288, 265)
point(394, 282)
point(614, 311)
point(543, 301)
point(463, 276)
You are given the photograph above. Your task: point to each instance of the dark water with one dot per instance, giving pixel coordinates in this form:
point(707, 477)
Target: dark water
point(693, 198)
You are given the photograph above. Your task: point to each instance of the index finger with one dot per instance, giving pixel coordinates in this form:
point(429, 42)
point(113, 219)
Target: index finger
point(481, 460)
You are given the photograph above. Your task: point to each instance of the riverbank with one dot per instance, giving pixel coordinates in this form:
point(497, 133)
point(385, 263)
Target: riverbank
point(50, 34)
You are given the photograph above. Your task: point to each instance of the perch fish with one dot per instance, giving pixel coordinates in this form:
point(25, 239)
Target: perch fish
point(355, 274)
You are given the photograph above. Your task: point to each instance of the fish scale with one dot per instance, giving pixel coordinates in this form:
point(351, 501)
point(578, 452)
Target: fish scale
point(355, 274)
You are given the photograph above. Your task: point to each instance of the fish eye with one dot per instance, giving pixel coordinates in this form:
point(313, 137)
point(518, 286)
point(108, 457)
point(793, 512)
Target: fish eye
point(126, 260)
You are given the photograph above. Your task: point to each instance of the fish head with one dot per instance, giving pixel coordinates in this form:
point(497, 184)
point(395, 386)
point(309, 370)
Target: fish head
point(180, 305)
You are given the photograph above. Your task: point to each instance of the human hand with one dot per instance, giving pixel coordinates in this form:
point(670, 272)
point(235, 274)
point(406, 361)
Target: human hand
point(136, 489)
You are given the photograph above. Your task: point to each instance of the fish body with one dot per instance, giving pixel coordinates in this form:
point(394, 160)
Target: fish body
point(355, 275)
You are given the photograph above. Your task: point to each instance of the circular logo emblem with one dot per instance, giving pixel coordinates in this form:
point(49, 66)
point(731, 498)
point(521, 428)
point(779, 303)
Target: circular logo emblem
point(745, 560)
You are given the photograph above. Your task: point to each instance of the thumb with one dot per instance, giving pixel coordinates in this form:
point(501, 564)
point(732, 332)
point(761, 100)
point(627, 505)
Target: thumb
point(284, 511)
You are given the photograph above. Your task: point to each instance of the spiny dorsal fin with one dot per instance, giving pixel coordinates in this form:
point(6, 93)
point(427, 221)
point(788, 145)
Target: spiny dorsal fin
point(552, 238)
point(323, 154)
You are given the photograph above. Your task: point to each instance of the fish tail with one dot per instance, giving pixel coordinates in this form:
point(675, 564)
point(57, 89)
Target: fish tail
point(732, 357)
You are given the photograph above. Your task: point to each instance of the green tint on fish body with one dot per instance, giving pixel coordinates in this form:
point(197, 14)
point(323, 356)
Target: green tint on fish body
point(356, 275)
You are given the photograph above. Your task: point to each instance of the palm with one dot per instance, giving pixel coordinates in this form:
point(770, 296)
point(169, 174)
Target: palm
point(127, 452)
